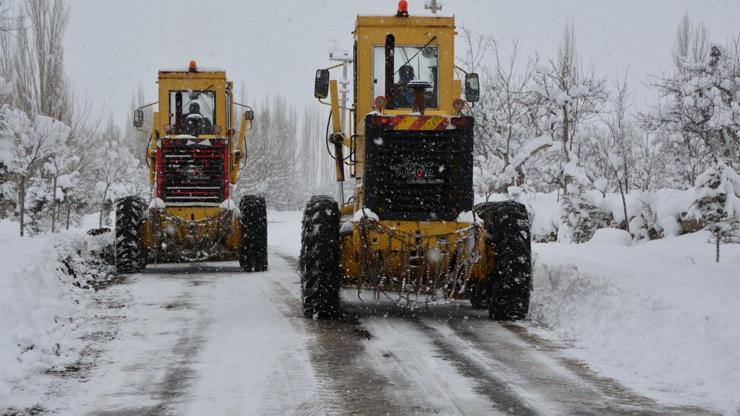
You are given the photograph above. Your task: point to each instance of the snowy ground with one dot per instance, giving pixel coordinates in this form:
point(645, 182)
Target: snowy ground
point(615, 330)
point(660, 316)
point(43, 309)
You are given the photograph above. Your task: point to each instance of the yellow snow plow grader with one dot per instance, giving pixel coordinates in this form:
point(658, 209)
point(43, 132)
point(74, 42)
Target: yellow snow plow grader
point(194, 156)
point(411, 229)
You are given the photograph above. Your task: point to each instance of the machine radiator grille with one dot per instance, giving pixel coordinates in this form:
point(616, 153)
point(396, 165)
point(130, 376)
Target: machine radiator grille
point(193, 173)
point(418, 175)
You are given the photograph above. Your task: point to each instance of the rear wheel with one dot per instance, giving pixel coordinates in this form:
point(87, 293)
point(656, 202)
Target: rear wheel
point(253, 254)
point(319, 262)
point(510, 284)
point(130, 255)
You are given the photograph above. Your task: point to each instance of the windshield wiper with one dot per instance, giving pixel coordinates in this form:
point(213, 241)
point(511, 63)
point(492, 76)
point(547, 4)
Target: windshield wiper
point(417, 52)
point(208, 108)
point(198, 93)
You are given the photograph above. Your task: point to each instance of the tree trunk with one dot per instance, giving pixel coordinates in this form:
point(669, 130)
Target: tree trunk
point(717, 240)
point(54, 204)
point(626, 178)
point(624, 208)
point(566, 156)
point(102, 207)
point(22, 202)
point(69, 209)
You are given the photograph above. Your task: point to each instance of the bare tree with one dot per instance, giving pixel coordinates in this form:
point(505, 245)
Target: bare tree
point(562, 96)
point(137, 139)
point(271, 168)
point(38, 62)
point(505, 136)
point(616, 149)
point(314, 157)
point(115, 168)
point(8, 23)
point(692, 43)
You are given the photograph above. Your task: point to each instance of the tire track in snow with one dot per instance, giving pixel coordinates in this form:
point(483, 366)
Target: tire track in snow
point(533, 368)
point(168, 391)
point(517, 371)
point(347, 382)
point(464, 388)
point(293, 385)
point(421, 374)
point(612, 391)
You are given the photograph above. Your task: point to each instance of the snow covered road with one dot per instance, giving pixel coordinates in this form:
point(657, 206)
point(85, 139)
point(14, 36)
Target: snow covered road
point(207, 339)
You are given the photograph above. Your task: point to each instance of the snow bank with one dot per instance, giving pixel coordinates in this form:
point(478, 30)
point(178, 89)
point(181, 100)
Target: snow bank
point(660, 317)
point(611, 237)
point(663, 209)
point(41, 307)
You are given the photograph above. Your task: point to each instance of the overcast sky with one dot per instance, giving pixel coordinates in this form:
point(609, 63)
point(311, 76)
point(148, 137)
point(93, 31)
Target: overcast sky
point(274, 46)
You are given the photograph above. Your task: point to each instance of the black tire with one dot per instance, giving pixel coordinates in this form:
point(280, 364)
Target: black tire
point(319, 261)
point(129, 253)
point(510, 284)
point(479, 294)
point(253, 254)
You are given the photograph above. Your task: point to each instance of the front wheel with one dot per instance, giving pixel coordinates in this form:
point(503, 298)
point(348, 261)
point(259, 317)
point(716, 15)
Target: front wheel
point(253, 253)
point(319, 262)
point(510, 283)
point(130, 255)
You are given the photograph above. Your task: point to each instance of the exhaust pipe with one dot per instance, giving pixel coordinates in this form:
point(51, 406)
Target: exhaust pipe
point(178, 112)
point(390, 66)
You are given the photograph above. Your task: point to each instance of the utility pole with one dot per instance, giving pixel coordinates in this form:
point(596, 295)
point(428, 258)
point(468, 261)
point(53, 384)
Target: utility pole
point(433, 6)
point(343, 91)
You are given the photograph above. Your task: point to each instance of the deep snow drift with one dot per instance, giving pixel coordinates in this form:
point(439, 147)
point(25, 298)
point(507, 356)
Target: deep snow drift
point(42, 307)
point(659, 316)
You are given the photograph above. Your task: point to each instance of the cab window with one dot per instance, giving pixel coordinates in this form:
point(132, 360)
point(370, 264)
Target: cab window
point(411, 63)
point(192, 112)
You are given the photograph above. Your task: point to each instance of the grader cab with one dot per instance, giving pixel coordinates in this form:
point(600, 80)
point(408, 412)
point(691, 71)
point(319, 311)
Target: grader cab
point(411, 227)
point(194, 156)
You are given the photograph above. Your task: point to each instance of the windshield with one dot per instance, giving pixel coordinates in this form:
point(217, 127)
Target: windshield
point(192, 112)
point(411, 63)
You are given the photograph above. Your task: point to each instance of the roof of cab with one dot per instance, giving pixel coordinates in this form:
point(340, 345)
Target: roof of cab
point(196, 74)
point(393, 21)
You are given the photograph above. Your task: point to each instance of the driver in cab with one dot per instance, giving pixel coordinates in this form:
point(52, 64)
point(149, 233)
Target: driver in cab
point(195, 123)
point(403, 97)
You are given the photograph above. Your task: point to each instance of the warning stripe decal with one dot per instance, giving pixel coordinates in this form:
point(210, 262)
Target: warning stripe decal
point(420, 123)
point(403, 123)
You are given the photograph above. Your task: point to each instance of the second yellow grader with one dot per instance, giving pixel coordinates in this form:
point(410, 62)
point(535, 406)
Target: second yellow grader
point(194, 155)
point(411, 227)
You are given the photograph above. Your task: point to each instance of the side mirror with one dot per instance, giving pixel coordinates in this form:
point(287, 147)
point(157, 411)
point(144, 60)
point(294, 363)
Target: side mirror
point(249, 115)
point(321, 88)
point(472, 88)
point(138, 118)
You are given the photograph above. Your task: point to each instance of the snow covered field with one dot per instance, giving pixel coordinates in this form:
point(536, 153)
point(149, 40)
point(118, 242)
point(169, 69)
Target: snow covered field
point(657, 317)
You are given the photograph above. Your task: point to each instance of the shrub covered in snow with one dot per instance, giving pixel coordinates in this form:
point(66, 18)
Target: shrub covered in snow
point(582, 217)
point(717, 207)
